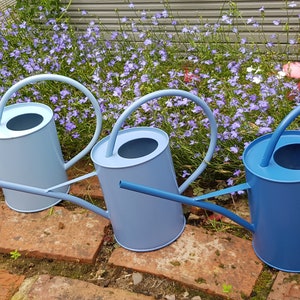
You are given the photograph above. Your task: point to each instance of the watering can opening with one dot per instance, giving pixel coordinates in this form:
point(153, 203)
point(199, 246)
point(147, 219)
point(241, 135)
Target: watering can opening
point(288, 156)
point(24, 121)
point(138, 148)
point(31, 127)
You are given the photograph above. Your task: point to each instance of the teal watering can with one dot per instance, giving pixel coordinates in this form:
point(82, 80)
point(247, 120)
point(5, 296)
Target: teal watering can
point(272, 164)
point(140, 154)
point(30, 153)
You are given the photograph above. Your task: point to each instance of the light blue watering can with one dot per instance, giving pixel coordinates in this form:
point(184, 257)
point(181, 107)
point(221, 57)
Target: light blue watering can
point(30, 153)
point(142, 154)
point(272, 164)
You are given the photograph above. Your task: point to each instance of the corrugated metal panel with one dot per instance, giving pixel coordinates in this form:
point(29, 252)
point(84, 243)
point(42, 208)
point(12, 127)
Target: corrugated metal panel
point(194, 12)
point(191, 11)
point(6, 3)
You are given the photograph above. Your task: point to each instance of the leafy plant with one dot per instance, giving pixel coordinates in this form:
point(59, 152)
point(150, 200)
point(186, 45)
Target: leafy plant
point(242, 83)
point(227, 288)
point(15, 254)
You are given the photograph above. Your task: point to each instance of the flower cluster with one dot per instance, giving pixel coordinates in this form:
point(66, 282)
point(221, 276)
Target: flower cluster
point(244, 86)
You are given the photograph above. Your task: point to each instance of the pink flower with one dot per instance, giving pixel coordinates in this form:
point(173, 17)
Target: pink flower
point(189, 76)
point(292, 69)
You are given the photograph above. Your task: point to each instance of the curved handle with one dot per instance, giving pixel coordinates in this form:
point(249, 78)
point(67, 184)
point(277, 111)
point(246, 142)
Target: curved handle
point(276, 135)
point(74, 83)
point(162, 93)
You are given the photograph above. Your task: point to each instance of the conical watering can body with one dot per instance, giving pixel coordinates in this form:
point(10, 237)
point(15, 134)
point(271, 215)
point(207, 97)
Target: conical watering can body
point(273, 186)
point(30, 152)
point(141, 222)
point(30, 156)
point(274, 196)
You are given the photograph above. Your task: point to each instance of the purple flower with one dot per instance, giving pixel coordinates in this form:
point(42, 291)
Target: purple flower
point(165, 13)
point(234, 149)
point(237, 172)
point(230, 182)
point(226, 19)
point(64, 93)
point(147, 42)
point(185, 174)
point(264, 130)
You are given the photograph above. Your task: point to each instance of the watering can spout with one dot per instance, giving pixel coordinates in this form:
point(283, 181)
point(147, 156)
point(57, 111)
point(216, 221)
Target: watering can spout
point(57, 195)
point(194, 201)
point(31, 127)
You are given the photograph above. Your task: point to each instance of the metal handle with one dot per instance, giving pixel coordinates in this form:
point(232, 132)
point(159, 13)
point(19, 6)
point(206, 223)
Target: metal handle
point(276, 135)
point(162, 93)
point(76, 84)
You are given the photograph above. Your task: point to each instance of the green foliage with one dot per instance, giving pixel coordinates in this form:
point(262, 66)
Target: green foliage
point(29, 9)
point(227, 288)
point(15, 254)
point(239, 79)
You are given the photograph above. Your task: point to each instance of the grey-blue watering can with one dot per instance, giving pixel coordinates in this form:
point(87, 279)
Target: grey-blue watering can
point(141, 154)
point(30, 152)
point(272, 164)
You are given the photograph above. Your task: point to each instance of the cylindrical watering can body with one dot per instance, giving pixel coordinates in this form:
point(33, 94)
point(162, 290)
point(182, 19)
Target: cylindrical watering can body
point(143, 222)
point(140, 222)
point(30, 152)
point(274, 200)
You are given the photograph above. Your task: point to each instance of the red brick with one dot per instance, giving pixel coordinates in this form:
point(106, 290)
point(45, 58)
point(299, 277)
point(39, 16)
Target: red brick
point(89, 187)
point(57, 233)
point(201, 260)
point(53, 288)
point(9, 284)
point(286, 287)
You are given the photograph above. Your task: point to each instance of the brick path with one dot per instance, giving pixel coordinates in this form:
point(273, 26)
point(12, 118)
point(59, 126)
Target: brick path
point(198, 259)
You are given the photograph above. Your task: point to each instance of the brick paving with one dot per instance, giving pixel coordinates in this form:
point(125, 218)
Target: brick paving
point(198, 259)
point(201, 260)
point(52, 233)
point(285, 287)
point(53, 288)
point(9, 284)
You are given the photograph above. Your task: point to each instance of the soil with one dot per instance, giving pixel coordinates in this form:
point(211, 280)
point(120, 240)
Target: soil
point(103, 274)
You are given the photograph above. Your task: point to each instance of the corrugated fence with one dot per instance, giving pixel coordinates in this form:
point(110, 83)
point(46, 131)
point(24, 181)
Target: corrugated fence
point(6, 3)
point(277, 21)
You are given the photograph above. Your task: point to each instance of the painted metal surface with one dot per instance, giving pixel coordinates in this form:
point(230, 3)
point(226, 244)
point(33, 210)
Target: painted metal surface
point(30, 151)
point(142, 154)
point(272, 164)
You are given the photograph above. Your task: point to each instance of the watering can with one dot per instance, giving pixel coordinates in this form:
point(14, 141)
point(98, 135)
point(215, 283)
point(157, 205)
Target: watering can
point(272, 164)
point(30, 153)
point(140, 222)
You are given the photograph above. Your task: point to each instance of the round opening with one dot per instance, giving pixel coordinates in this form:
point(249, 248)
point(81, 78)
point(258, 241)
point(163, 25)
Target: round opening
point(24, 122)
point(288, 156)
point(137, 148)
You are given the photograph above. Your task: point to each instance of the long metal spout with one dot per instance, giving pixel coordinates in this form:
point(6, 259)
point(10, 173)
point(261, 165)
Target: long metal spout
point(188, 201)
point(57, 195)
